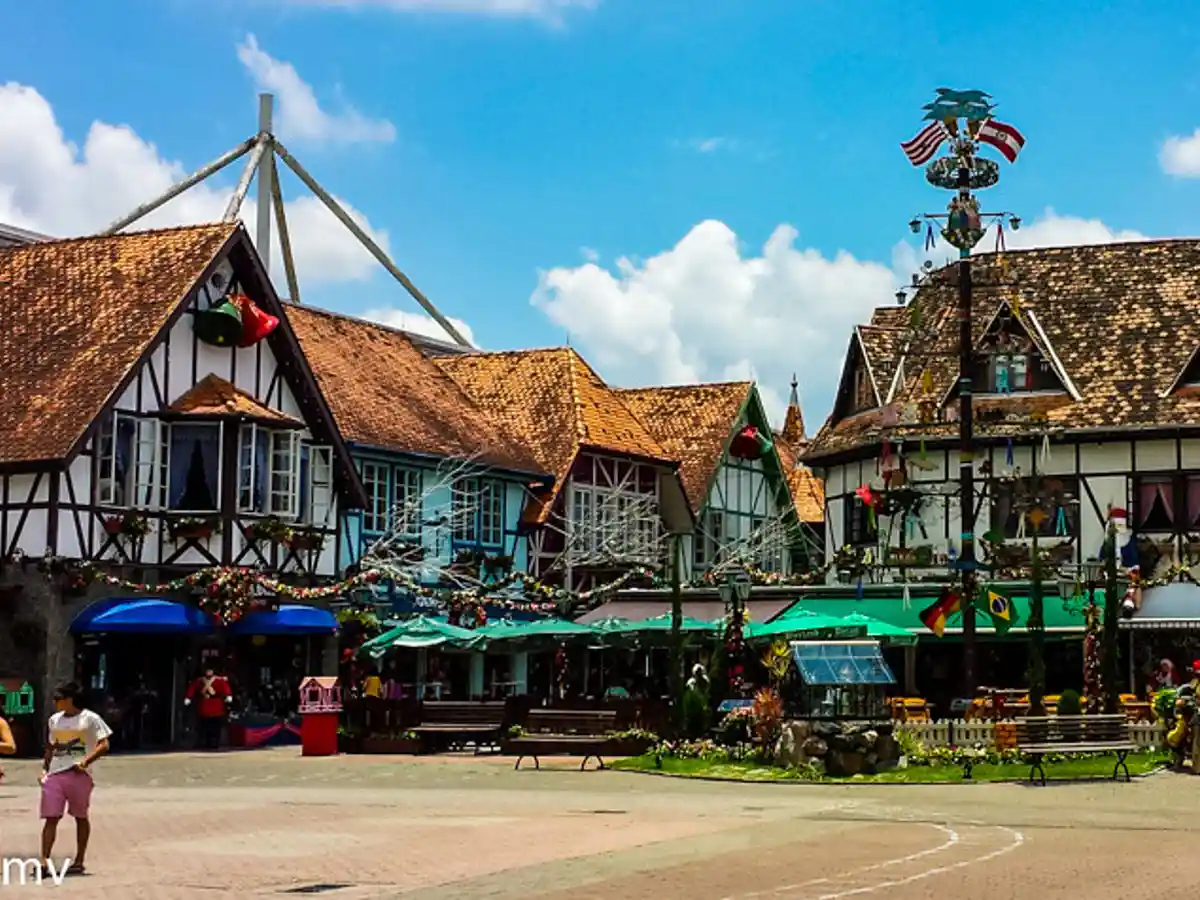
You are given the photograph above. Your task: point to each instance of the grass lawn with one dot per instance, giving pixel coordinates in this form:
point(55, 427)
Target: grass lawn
point(1069, 770)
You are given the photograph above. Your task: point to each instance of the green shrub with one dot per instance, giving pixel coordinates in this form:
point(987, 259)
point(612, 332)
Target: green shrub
point(1164, 704)
point(1069, 704)
point(696, 713)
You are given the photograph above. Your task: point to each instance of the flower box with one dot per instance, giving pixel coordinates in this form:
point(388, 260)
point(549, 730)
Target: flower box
point(113, 525)
point(305, 540)
point(391, 745)
point(192, 531)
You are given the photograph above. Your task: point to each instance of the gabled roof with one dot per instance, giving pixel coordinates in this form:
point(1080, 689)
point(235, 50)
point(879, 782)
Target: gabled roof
point(694, 424)
point(1121, 320)
point(214, 396)
point(555, 404)
point(77, 316)
point(806, 489)
point(882, 348)
point(385, 393)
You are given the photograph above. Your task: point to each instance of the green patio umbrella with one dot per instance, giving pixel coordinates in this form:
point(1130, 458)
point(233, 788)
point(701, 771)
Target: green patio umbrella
point(420, 632)
point(536, 629)
point(799, 625)
point(883, 631)
point(656, 624)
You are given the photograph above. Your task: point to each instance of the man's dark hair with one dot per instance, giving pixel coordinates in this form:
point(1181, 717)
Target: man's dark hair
point(70, 691)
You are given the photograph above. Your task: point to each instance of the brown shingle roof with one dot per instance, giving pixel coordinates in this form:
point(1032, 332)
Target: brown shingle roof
point(1122, 319)
point(385, 393)
point(77, 315)
point(806, 489)
point(882, 347)
point(554, 403)
point(214, 396)
point(693, 423)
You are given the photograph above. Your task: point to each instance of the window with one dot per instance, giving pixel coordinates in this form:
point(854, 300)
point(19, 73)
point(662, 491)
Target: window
point(864, 394)
point(253, 466)
point(375, 481)
point(478, 512)
point(407, 501)
point(318, 505)
point(1168, 503)
point(150, 455)
point(285, 474)
point(195, 467)
point(583, 525)
point(114, 454)
point(861, 527)
point(1056, 497)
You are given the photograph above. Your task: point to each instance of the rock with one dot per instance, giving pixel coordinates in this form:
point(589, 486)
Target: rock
point(789, 751)
point(887, 749)
point(815, 747)
point(842, 764)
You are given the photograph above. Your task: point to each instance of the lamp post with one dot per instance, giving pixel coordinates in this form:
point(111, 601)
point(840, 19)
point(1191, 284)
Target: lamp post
point(962, 170)
point(734, 593)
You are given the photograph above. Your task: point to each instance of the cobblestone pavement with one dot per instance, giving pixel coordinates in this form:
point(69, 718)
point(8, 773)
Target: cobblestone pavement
point(271, 824)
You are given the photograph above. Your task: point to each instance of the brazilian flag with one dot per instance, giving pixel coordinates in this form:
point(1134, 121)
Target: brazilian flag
point(1000, 608)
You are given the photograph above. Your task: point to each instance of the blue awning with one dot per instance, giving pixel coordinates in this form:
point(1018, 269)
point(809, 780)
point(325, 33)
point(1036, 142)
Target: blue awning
point(290, 618)
point(141, 615)
point(841, 663)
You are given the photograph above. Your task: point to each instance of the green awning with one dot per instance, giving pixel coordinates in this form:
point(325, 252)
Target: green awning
point(552, 630)
point(420, 632)
point(801, 624)
point(892, 612)
point(658, 624)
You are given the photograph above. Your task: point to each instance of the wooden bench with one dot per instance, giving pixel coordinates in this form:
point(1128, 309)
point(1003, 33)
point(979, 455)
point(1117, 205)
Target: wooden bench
point(452, 724)
point(555, 732)
point(1039, 735)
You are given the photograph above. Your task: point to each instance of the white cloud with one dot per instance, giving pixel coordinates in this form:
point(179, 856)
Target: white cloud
point(548, 10)
point(419, 323)
point(706, 310)
point(50, 184)
point(1180, 156)
point(300, 115)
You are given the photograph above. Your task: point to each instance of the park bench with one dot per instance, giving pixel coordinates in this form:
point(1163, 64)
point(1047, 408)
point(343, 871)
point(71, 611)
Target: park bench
point(1039, 735)
point(555, 732)
point(452, 724)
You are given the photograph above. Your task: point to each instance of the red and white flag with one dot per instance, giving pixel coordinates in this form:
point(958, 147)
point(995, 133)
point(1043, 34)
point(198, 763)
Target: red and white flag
point(1004, 138)
point(920, 149)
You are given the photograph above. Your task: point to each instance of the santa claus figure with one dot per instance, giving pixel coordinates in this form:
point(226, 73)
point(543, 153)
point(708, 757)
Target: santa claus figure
point(212, 696)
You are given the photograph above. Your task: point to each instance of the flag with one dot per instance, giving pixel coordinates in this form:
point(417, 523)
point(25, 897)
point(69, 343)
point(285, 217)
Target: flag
point(920, 149)
point(1003, 137)
point(1000, 608)
point(934, 617)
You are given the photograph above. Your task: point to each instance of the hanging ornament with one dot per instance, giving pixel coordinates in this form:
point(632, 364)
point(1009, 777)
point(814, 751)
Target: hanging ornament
point(1060, 524)
point(1008, 454)
point(256, 324)
point(927, 382)
point(219, 325)
point(1000, 248)
point(749, 444)
point(930, 239)
point(858, 594)
point(906, 598)
point(1037, 516)
point(1045, 450)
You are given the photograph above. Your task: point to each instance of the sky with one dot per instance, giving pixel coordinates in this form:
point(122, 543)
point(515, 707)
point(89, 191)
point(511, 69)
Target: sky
point(684, 191)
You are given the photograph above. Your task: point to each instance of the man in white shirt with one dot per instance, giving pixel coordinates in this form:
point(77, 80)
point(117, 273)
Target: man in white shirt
point(77, 738)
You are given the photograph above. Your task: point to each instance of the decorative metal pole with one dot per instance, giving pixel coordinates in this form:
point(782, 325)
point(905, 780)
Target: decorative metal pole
point(961, 171)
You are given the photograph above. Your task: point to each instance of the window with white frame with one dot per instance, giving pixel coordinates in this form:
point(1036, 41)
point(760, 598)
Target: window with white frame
point(477, 511)
point(253, 467)
point(407, 501)
point(114, 458)
point(583, 524)
point(150, 457)
point(375, 482)
point(708, 538)
point(613, 522)
point(284, 498)
point(194, 484)
point(318, 505)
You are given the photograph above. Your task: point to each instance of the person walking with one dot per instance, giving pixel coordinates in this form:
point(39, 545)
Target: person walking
point(215, 696)
point(77, 738)
point(8, 746)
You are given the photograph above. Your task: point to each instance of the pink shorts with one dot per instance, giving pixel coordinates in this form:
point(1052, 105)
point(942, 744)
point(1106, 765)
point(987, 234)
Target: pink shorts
point(65, 792)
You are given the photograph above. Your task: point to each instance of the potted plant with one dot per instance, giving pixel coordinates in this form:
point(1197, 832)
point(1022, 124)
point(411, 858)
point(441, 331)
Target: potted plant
point(112, 525)
point(631, 742)
point(193, 528)
point(304, 539)
point(272, 529)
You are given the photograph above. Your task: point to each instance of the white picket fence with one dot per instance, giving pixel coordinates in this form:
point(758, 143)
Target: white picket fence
point(961, 733)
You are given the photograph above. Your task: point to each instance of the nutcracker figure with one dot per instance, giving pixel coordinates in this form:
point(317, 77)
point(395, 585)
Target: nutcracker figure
point(213, 696)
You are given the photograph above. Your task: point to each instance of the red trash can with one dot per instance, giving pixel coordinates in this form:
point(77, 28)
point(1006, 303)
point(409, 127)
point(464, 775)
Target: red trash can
point(320, 710)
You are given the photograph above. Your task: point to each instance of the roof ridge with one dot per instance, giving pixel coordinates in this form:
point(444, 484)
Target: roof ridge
point(573, 387)
point(76, 239)
point(685, 387)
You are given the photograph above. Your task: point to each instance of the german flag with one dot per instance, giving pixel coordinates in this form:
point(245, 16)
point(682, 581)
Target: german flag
point(934, 617)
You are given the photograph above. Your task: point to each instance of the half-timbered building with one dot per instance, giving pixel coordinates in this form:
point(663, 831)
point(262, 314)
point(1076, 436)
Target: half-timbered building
point(153, 422)
point(1086, 412)
point(439, 474)
point(733, 472)
point(616, 491)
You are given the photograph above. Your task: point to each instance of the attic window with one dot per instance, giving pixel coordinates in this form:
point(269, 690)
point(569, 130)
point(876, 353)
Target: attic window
point(864, 393)
point(1010, 362)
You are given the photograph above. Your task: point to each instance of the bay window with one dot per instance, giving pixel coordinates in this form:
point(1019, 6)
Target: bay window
point(150, 460)
point(284, 496)
point(114, 456)
point(194, 466)
point(253, 464)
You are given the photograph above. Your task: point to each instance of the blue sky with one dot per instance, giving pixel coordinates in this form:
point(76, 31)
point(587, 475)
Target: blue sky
point(559, 134)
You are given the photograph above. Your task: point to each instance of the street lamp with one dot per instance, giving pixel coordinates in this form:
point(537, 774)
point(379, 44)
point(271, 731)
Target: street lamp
point(963, 171)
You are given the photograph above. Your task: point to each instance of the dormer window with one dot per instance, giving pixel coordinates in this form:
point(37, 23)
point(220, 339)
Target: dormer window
point(864, 393)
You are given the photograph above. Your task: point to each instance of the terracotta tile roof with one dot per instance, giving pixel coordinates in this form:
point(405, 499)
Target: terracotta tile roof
point(1122, 319)
point(806, 489)
point(77, 315)
point(793, 431)
point(385, 393)
point(214, 396)
point(693, 423)
point(890, 317)
point(554, 403)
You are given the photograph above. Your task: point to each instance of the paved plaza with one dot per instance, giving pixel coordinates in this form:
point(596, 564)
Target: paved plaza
point(271, 824)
